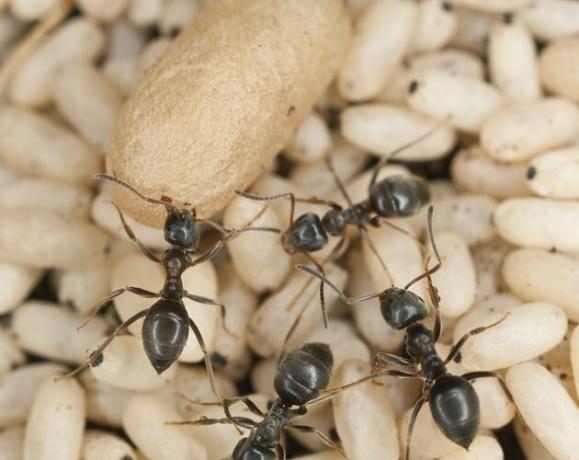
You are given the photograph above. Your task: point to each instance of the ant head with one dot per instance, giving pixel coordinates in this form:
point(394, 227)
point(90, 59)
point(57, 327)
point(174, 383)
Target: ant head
point(181, 228)
point(399, 196)
point(303, 373)
point(306, 234)
point(334, 222)
point(401, 308)
point(418, 339)
point(246, 450)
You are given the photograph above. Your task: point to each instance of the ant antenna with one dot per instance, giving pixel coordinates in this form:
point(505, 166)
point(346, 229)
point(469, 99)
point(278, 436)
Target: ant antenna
point(434, 269)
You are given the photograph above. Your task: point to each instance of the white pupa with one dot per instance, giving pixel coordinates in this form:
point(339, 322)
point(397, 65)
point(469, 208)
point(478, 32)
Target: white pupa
point(540, 275)
point(382, 128)
point(373, 436)
point(77, 40)
point(552, 174)
point(552, 19)
point(494, 6)
point(16, 282)
point(10, 353)
point(513, 61)
point(474, 171)
point(516, 222)
point(526, 332)
point(31, 10)
point(89, 101)
point(12, 443)
point(531, 446)
point(145, 421)
point(100, 445)
point(382, 36)
point(520, 131)
point(55, 427)
point(467, 102)
point(472, 31)
point(103, 10)
point(546, 408)
point(59, 337)
point(259, 257)
point(312, 140)
point(18, 389)
point(436, 24)
point(482, 448)
point(575, 357)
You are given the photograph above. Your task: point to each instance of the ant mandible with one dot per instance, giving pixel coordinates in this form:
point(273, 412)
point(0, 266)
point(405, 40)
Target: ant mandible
point(453, 401)
point(300, 377)
point(166, 325)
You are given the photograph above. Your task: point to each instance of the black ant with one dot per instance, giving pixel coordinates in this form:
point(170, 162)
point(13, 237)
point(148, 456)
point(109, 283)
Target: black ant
point(300, 378)
point(396, 196)
point(453, 401)
point(166, 325)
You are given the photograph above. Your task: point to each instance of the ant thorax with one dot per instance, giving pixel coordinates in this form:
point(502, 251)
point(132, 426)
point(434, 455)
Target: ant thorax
point(268, 431)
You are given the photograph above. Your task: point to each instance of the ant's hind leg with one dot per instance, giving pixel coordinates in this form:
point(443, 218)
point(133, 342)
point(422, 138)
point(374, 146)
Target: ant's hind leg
point(206, 357)
point(412, 422)
point(208, 301)
point(327, 441)
point(129, 231)
point(470, 376)
point(388, 358)
point(112, 295)
point(455, 350)
point(96, 356)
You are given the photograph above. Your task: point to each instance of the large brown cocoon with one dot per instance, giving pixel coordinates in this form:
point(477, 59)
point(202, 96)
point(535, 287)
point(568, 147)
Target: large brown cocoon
point(228, 94)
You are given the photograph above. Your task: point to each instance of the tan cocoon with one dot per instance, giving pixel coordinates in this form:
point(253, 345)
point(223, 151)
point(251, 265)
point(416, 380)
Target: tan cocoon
point(225, 97)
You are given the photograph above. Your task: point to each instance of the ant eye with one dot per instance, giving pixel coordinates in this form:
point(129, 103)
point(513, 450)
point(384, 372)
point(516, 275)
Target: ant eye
point(181, 230)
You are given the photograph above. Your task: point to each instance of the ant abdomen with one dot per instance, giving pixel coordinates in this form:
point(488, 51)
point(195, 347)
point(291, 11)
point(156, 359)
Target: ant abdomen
point(165, 332)
point(306, 234)
point(401, 308)
point(399, 196)
point(455, 409)
point(303, 372)
point(253, 452)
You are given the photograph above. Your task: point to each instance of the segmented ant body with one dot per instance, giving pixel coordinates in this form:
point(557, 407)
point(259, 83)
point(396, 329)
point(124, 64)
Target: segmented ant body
point(166, 323)
point(300, 378)
point(453, 401)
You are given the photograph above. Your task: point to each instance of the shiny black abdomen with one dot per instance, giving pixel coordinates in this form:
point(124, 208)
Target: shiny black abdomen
point(400, 308)
point(165, 332)
point(455, 409)
point(252, 452)
point(303, 372)
point(399, 196)
point(306, 234)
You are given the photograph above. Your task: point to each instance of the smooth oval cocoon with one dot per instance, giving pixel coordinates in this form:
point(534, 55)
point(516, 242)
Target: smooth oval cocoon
point(530, 445)
point(516, 221)
point(456, 278)
point(513, 61)
point(16, 282)
point(381, 129)
point(526, 332)
point(482, 448)
point(382, 36)
point(493, 6)
point(559, 67)
point(36, 145)
point(374, 435)
point(145, 421)
point(59, 337)
point(10, 353)
point(552, 19)
point(46, 240)
point(259, 257)
point(539, 275)
point(100, 445)
point(56, 424)
point(547, 408)
point(474, 171)
point(225, 92)
point(574, 345)
point(12, 443)
point(311, 141)
point(18, 389)
point(554, 174)
point(436, 24)
point(467, 102)
point(520, 131)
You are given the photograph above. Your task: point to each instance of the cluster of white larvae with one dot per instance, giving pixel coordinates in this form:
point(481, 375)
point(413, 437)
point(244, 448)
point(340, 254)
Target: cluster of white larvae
point(497, 78)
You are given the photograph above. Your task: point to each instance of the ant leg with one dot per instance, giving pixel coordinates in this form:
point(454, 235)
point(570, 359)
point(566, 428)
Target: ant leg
point(112, 295)
point(207, 301)
point(455, 350)
point(327, 441)
point(280, 451)
point(129, 231)
point(403, 147)
point(96, 356)
point(206, 357)
point(366, 237)
point(244, 399)
point(344, 297)
point(412, 422)
point(482, 374)
point(339, 182)
point(203, 421)
point(322, 297)
point(291, 196)
point(388, 358)
point(106, 177)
